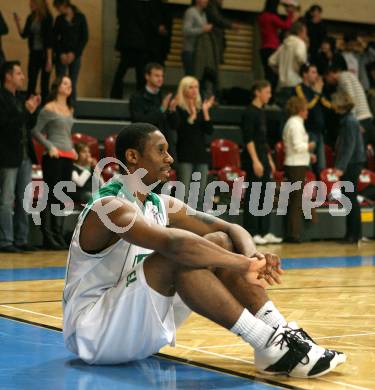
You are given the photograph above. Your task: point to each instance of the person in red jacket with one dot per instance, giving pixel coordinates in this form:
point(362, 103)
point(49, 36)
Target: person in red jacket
point(270, 24)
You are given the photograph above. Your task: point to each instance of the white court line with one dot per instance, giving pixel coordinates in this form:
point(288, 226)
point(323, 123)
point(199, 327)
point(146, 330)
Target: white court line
point(344, 335)
point(343, 384)
point(315, 338)
point(31, 312)
point(215, 354)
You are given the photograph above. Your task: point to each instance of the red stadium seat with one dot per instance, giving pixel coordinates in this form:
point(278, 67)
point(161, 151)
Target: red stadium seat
point(39, 150)
point(230, 175)
point(365, 179)
point(109, 145)
point(279, 156)
point(328, 177)
point(310, 176)
point(109, 171)
point(92, 142)
point(330, 158)
point(279, 176)
point(225, 153)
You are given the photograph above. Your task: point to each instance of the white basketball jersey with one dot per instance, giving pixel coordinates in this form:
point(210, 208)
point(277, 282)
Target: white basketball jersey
point(89, 275)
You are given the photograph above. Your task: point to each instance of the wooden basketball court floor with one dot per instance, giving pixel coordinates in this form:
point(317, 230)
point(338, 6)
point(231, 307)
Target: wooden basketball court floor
point(328, 288)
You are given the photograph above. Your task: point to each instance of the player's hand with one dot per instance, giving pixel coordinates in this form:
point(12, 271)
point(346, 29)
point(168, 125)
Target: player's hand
point(252, 276)
point(272, 271)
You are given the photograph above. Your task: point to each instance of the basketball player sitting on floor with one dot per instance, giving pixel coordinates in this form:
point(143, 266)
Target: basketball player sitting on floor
point(136, 271)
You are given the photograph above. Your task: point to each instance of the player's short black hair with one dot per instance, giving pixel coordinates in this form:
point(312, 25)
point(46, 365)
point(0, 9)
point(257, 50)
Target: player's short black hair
point(133, 136)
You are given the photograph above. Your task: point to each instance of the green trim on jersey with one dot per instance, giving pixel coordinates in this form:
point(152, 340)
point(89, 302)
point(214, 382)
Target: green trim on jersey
point(116, 188)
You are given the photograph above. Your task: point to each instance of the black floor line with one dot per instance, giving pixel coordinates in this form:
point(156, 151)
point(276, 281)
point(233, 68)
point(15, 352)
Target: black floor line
point(23, 303)
point(319, 287)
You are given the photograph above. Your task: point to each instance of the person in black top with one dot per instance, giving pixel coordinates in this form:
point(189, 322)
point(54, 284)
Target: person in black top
point(316, 29)
point(350, 159)
point(140, 27)
point(148, 105)
point(38, 31)
point(70, 38)
point(329, 57)
point(84, 174)
point(311, 90)
point(3, 31)
point(257, 161)
point(16, 158)
point(193, 123)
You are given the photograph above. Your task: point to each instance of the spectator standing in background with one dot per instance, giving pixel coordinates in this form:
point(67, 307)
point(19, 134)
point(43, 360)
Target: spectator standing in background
point(194, 24)
point(16, 158)
point(220, 22)
point(297, 160)
point(193, 124)
point(270, 24)
point(38, 32)
point(70, 38)
point(140, 28)
point(354, 57)
point(84, 174)
point(349, 84)
point(316, 30)
point(257, 161)
point(3, 31)
point(287, 61)
point(55, 120)
point(148, 105)
point(310, 90)
point(328, 56)
point(350, 159)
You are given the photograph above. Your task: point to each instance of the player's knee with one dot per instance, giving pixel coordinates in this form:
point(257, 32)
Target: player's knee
point(222, 239)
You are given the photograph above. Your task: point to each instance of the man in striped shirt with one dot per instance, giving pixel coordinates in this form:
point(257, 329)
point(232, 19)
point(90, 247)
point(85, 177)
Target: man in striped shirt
point(348, 83)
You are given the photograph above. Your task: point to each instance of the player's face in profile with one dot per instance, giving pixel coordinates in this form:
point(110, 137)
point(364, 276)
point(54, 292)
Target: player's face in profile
point(156, 159)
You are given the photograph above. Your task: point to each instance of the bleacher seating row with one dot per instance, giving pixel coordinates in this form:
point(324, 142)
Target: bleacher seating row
point(226, 162)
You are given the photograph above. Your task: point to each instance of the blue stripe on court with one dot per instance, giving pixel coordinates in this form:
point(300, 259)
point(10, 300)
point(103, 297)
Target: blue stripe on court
point(32, 273)
point(300, 263)
point(33, 357)
point(328, 262)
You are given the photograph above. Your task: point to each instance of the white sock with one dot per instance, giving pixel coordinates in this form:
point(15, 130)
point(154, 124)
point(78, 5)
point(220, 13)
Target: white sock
point(252, 330)
point(270, 315)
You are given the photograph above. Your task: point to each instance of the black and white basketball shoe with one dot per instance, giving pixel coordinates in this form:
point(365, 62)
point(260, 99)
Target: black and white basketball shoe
point(301, 333)
point(288, 354)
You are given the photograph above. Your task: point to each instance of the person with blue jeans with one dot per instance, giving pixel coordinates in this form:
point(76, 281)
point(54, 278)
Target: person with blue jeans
point(16, 158)
point(70, 38)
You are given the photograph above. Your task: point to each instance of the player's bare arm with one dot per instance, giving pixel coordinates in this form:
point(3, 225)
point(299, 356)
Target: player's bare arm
point(178, 245)
point(182, 216)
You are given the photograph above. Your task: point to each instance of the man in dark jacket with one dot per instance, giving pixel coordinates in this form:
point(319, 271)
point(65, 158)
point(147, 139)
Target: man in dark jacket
point(16, 158)
point(70, 38)
point(149, 106)
point(311, 91)
point(138, 41)
point(350, 159)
